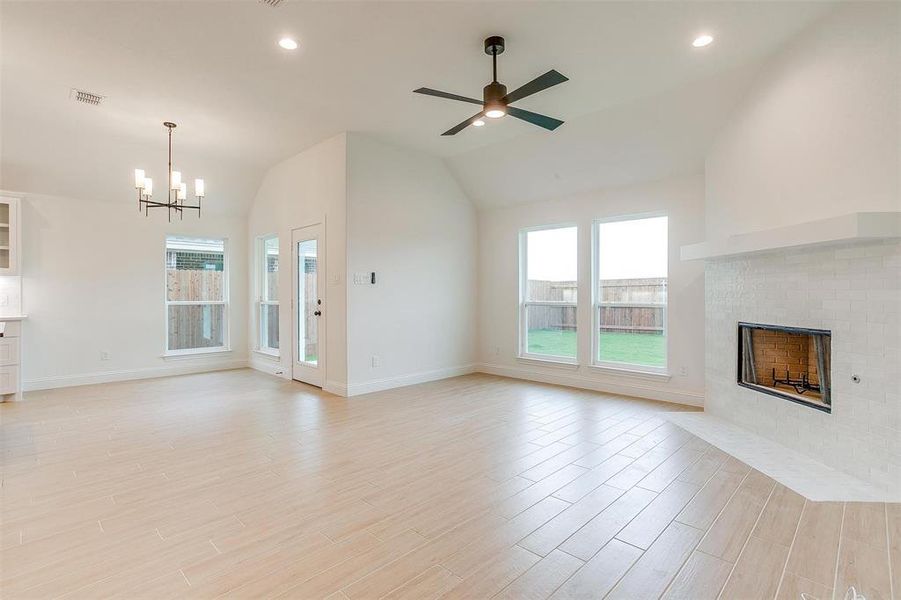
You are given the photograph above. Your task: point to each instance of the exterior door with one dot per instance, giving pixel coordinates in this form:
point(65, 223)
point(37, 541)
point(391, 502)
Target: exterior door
point(308, 253)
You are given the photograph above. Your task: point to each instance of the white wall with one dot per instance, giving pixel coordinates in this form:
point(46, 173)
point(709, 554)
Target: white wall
point(409, 221)
point(820, 135)
point(94, 281)
point(305, 189)
point(682, 200)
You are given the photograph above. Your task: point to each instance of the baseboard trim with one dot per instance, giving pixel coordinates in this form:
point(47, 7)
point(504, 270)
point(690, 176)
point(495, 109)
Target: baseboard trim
point(334, 387)
point(630, 388)
point(182, 367)
point(270, 366)
point(205, 364)
point(378, 385)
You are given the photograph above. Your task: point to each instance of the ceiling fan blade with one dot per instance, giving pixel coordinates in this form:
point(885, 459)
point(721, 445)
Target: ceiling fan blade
point(449, 96)
point(458, 128)
point(542, 82)
point(549, 123)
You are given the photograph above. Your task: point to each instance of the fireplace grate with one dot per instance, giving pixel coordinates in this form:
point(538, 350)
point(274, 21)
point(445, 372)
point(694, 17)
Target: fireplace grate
point(800, 385)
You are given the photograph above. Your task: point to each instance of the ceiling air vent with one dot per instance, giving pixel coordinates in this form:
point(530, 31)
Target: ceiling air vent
point(272, 3)
point(85, 97)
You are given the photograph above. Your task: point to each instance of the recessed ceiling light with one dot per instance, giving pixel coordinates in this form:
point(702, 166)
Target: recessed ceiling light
point(287, 44)
point(702, 40)
point(478, 123)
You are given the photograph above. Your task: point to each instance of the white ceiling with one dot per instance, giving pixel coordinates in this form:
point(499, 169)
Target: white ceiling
point(641, 103)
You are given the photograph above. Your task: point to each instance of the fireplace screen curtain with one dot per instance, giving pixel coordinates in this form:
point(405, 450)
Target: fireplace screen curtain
point(748, 370)
point(821, 342)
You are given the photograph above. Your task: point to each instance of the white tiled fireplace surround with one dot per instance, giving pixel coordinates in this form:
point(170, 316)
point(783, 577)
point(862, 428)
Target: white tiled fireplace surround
point(851, 289)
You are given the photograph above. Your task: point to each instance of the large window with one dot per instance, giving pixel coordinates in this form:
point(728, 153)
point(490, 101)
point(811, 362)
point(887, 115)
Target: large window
point(196, 292)
point(548, 293)
point(630, 275)
point(267, 268)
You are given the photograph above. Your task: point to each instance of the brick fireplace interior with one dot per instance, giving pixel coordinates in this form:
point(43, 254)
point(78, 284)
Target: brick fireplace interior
point(786, 362)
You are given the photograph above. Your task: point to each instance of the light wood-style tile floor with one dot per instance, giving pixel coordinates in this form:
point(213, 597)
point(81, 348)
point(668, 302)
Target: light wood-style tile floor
point(242, 485)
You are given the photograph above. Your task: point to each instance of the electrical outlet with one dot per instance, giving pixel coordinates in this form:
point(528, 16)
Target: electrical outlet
point(4, 300)
point(497, 350)
point(104, 355)
point(683, 371)
point(375, 362)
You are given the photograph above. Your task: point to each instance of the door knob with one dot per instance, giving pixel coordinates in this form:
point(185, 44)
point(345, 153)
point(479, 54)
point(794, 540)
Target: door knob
point(317, 313)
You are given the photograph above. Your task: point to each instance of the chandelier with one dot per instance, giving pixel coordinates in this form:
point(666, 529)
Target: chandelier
point(176, 192)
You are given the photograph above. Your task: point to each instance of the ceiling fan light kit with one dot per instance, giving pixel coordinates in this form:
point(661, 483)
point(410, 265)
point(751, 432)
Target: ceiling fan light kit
point(495, 99)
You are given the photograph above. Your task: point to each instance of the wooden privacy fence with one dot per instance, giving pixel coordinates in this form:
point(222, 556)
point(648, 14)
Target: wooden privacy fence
point(203, 325)
point(552, 317)
point(626, 305)
point(194, 285)
point(195, 325)
point(632, 305)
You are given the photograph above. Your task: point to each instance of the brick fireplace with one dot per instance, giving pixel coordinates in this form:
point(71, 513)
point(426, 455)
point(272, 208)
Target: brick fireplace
point(788, 362)
point(852, 290)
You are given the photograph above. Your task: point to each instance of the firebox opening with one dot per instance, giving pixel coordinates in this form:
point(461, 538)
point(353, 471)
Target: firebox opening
point(788, 362)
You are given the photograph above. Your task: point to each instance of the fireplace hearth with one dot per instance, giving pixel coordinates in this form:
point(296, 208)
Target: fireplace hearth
point(789, 362)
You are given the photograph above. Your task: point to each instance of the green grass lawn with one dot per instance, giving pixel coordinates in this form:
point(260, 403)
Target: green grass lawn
point(638, 348)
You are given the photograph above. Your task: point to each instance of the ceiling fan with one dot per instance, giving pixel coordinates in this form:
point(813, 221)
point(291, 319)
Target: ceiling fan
point(496, 101)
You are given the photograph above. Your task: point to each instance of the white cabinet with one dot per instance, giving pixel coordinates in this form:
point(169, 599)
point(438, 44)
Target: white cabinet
point(9, 236)
point(10, 353)
point(9, 380)
point(11, 292)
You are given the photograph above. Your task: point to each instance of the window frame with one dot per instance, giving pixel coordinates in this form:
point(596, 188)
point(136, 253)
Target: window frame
point(261, 302)
point(596, 304)
point(524, 303)
point(226, 337)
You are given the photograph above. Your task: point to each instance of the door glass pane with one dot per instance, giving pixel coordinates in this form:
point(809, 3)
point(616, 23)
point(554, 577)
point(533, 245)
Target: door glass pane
point(551, 330)
point(307, 297)
point(632, 282)
point(196, 326)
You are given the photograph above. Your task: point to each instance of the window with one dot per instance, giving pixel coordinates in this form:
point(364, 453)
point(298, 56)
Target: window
point(548, 293)
point(267, 267)
point(630, 274)
point(196, 292)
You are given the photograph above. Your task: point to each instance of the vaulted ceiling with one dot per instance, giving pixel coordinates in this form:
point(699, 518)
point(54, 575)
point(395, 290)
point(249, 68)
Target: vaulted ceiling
point(641, 103)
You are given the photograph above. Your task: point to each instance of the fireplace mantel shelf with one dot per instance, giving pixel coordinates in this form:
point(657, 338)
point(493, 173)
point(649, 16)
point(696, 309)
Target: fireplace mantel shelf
point(847, 228)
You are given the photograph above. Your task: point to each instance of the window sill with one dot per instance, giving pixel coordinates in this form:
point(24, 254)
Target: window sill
point(194, 353)
point(631, 372)
point(549, 362)
point(270, 355)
